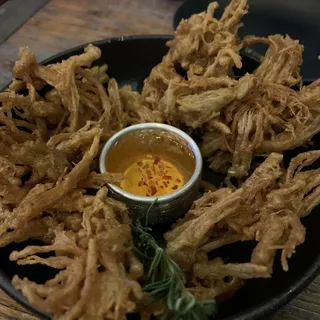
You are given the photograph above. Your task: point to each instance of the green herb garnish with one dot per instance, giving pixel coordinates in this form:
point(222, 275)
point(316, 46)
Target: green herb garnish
point(165, 280)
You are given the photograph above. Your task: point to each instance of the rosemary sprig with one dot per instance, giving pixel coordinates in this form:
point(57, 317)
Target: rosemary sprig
point(165, 280)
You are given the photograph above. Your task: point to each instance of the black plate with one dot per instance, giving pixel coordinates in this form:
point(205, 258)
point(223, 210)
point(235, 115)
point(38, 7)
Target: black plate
point(130, 60)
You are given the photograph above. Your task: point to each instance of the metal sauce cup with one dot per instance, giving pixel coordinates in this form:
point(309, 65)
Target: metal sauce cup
point(167, 208)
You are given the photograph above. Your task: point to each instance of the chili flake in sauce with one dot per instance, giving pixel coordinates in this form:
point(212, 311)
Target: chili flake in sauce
point(152, 176)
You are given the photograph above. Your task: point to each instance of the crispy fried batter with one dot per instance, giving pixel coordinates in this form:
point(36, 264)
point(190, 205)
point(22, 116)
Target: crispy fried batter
point(260, 112)
point(265, 211)
point(49, 143)
point(204, 49)
point(183, 246)
point(216, 269)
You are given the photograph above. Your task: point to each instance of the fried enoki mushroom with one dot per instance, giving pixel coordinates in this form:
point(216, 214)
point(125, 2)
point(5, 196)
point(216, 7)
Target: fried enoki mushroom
point(264, 211)
point(54, 119)
point(94, 266)
point(64, 96)
point(272, 112)
point(262, 112)
point(197, 68)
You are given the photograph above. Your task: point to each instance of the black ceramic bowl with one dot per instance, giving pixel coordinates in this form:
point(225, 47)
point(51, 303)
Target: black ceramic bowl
point(130, 60)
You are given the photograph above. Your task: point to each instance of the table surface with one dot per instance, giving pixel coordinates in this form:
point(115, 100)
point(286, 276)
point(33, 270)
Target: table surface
point(62, 24)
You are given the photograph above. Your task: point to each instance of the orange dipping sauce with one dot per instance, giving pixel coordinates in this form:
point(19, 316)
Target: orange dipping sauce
point(152, 176)
point(153, 162)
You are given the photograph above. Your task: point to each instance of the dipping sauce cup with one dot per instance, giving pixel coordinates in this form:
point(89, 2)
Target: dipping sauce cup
point(158, 162)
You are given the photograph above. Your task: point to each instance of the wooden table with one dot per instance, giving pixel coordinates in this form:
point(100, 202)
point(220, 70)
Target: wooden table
point(63, 24)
